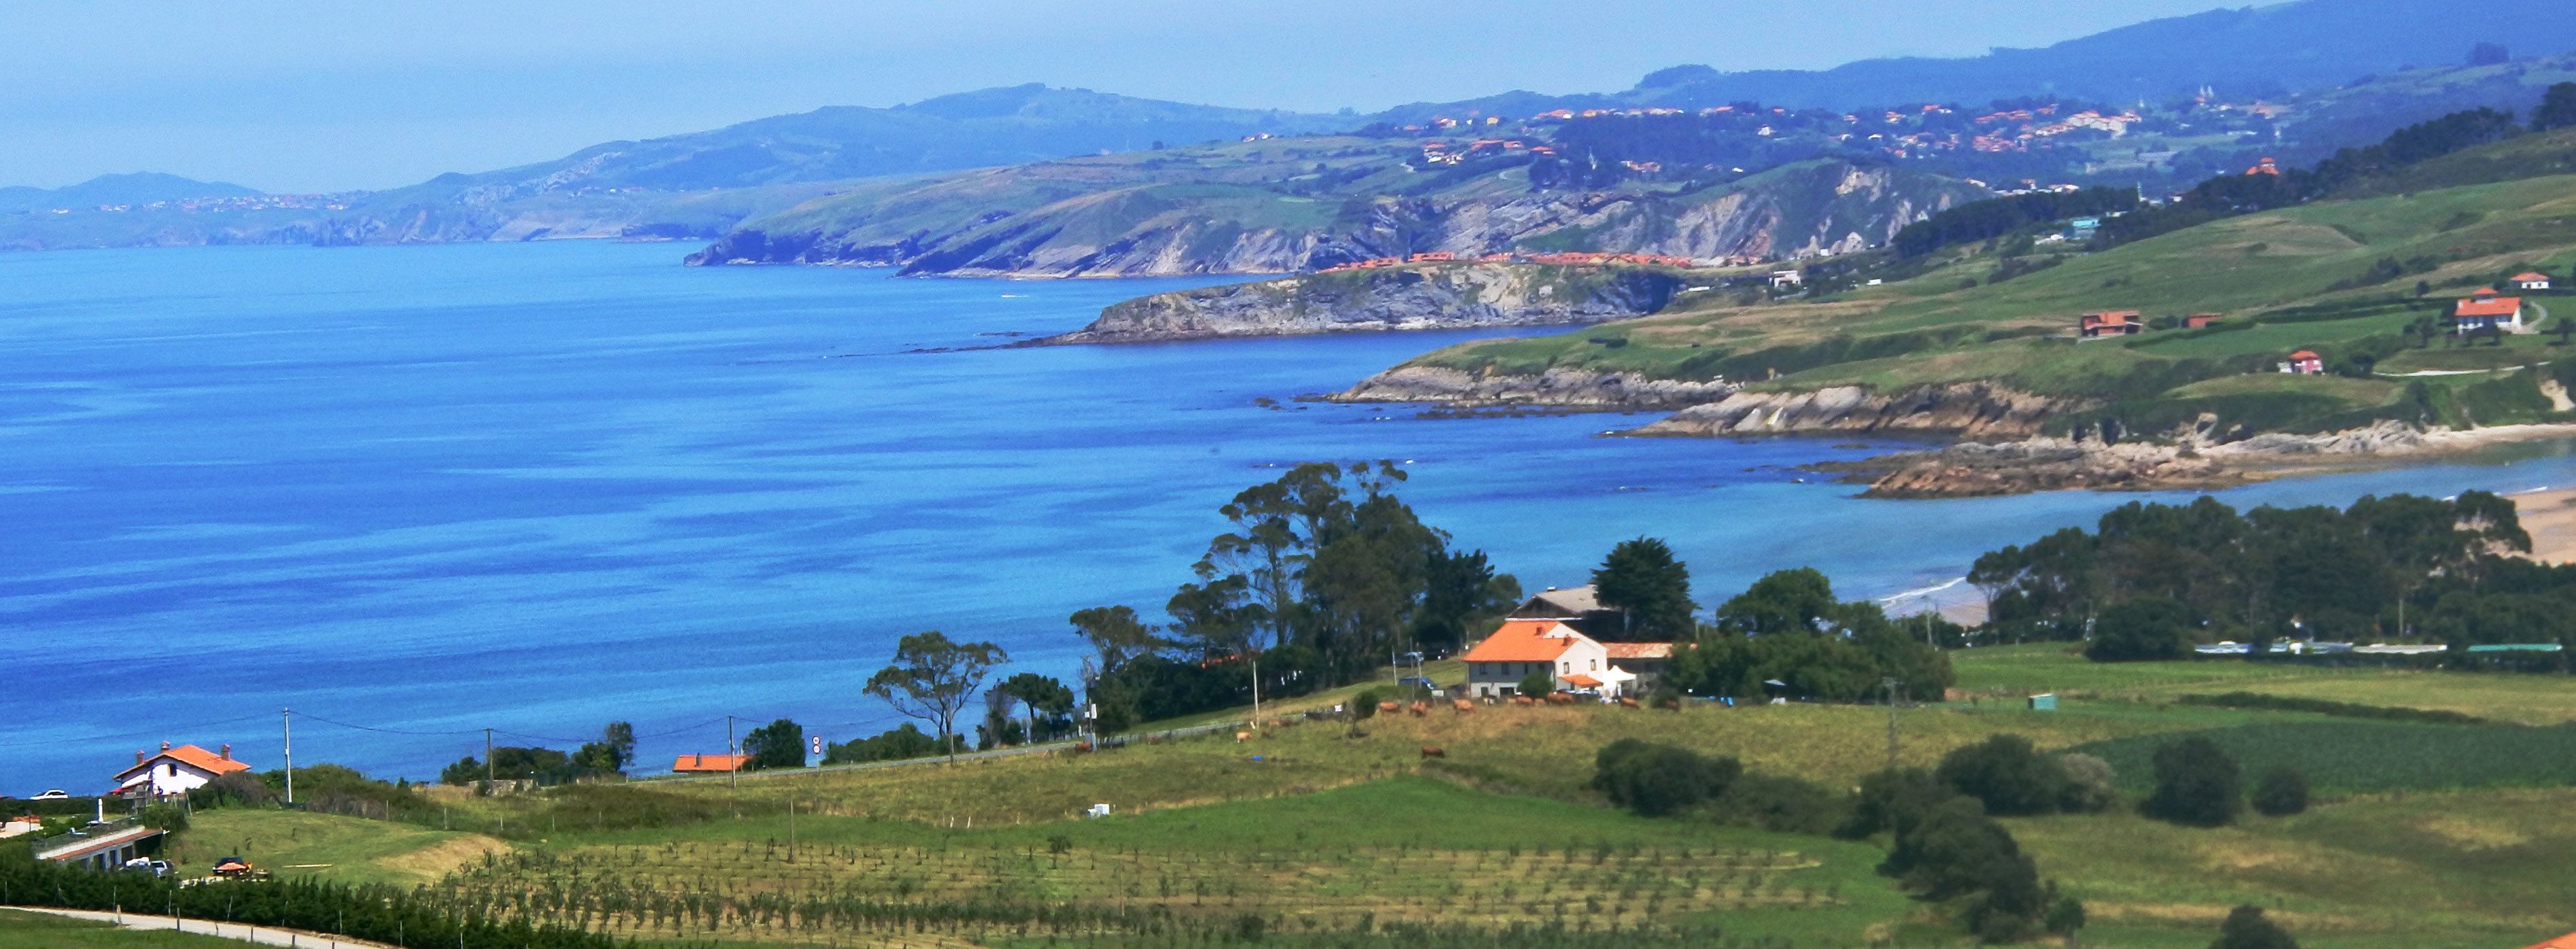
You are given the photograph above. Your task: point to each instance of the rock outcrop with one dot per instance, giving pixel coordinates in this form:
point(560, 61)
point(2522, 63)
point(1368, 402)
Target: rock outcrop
point(1561, 388)
point(1433, 296)
point(1969, 409)
point(2190, 460)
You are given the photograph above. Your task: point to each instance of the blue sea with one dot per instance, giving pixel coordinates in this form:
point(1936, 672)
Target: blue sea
point(412, 493)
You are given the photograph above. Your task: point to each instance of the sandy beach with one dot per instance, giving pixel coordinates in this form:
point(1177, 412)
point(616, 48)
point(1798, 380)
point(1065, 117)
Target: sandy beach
point(2550, 518)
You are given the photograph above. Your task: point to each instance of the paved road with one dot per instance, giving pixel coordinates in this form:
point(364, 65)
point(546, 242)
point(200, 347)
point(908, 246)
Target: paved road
point(251, 934)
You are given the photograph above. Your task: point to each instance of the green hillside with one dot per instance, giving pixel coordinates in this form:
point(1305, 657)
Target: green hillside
point(2339, 277)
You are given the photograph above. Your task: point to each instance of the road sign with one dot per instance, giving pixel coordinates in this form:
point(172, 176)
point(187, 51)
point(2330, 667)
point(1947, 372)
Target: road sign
point(818, 744)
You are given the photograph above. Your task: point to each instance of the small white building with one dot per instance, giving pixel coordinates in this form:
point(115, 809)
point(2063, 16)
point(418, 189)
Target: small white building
point(1523, 647)
point(175, 771)
point(2531, 281)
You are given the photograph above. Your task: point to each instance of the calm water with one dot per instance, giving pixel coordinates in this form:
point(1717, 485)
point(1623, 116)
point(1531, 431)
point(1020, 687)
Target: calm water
point(537, 487)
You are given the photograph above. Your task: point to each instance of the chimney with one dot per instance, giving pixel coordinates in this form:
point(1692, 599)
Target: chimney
point(165, 746)
point(227, 753)
point(138, 756)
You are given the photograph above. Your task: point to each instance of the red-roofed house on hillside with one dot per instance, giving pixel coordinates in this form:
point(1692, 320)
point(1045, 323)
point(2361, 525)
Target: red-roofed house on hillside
point(2484, 310)
point(175, 771)
point(2108, 323)
point(2198, 320)
point(2563, 942)
point(2305, 362)
point(1523, 647)
point(2531, 281)
point(709, 764)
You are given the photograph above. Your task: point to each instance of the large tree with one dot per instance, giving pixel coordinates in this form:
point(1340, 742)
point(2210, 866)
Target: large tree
point(1649, 587)
point(932, 679)
point(779, 744)
point(1040, 695)
point(2557, 108)
point(1115, 633)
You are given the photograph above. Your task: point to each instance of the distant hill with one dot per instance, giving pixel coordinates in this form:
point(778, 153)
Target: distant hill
point(2241, 52)
point(130, 189)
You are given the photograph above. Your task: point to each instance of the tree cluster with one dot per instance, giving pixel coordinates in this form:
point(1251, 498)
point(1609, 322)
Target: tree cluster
point(2154, 579)
point(894, 744)
point(2010, 777)
point(1996, 217)
point(2246, 193)
point(1323, 576)
point(1789, 628)
point(1946, 848)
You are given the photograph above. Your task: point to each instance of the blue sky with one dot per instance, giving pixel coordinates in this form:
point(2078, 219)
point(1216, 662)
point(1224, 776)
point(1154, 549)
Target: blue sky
point(306, 96)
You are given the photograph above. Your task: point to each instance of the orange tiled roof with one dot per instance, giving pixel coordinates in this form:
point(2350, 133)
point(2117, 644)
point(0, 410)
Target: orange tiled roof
point(1639, 650)
point(2529, 277)
point(2304, 354)
point(1524, 640)
point(192, 756)
point(1581, 681)
point(701, 764)
point(2500, 306)
point(2563, 942)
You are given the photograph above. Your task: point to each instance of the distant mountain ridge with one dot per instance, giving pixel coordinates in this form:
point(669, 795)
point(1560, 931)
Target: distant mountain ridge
point(129, 189)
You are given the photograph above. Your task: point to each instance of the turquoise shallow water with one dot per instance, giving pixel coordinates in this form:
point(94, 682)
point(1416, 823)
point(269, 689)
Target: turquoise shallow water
point(537, 487)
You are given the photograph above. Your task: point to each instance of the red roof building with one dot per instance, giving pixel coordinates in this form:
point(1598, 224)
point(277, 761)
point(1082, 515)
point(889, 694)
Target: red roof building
point(2531, 281)
point(2306, 362)
point(176, 770)
point(2563, 942)
point(2485, 310)
point(709, 764)
point(2109, 323)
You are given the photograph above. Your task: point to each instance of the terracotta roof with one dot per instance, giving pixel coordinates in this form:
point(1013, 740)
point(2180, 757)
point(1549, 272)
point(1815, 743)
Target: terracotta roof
point(2304, 354)
point(2563, 942)
point(1525, 640)
point(1581, 681)
point(701, 764)
point(192, 756)
point(2500, 306)
point(2529, 277)
point(1639, 650)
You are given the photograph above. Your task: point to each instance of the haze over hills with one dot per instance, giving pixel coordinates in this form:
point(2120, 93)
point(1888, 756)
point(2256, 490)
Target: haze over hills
point(135, 188)
point(703, 185)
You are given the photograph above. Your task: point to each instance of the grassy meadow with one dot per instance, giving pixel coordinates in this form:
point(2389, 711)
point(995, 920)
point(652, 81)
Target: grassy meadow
point(2422, 835)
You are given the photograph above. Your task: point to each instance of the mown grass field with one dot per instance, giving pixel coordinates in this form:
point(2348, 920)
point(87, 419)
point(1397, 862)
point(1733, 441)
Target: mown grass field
point(344, 849)
point(1315, 831)
point(19, 930)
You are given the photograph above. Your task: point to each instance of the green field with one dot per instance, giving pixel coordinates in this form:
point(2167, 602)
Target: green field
point(19, 930)
point(2284, 280)
point(2422, 836)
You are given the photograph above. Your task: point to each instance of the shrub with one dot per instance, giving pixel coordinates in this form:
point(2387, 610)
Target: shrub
point(1364, 705)
point(2090, 783)
point(2140, 629)
point(1892, 799)
point(2196, 784)
point(1655, 780)
point(1954, 851)
point(1776, 803)
point(1541, 682)
point(2246, 928)
point(2006, 774)
point(2281, 792)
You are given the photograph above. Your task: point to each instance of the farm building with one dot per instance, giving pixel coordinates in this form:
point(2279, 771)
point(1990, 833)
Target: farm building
point(1578, 607)
point(2531, 281)
point(2485, 310)
point(2305, 362)
point(175, 771)
point(708, 764)
point(2109, 323)
point(1524, 647)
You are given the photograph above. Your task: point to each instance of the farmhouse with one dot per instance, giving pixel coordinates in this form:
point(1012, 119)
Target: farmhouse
point(1521, 648)
point(2198, 320)
point(175, 771)
point(2108, 323)
point(2531, 281)
point(2484, 310)
point(709, 764)
point(1578, 607)
point(2305, 362)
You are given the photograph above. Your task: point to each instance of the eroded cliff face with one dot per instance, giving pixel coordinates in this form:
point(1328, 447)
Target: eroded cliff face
point(1562, 388)
point(1966, 409)
point(1824, 207)
point(1436, 296)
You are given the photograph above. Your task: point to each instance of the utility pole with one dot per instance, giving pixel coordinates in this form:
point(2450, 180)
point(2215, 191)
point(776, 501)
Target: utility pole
point(286, 718)
point(1255, 659)
point(1891, 683)
point(733, 757)
point(487, 759)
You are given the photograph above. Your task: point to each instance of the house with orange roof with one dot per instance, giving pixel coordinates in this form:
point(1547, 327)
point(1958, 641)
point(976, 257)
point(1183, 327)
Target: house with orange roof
point(1521, 648)
point(2108, 323)
point(2563, 942)
point(2486, 310)
point(709, 764)
point(2305, 362)
point(2534, 280)
point(174, 771)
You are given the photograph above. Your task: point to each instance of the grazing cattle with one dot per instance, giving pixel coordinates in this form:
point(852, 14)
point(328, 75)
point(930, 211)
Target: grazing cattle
point(1277, 723)
point(1523, 700)
point(1080, 746)
point(1560, 698)
point(1419, 709)
point(1389, 708)
point(1626, 702)
point(1462, 705)
point(1673, 705)
point(1153, 739)
point(1241, 737)
point(1433, 751)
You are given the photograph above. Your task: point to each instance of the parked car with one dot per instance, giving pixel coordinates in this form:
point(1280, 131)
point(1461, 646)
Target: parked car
point(158, 868)
point(56, 794)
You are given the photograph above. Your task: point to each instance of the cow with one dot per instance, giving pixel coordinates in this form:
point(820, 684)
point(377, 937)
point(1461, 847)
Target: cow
point(1433, 751)
point(1462, 705)
point(1626, 702)
point(1560, 698)
point(1082, 746)
point(1389, 708)
point(1241, 737)
point(1523, 700)
point(1419, 709)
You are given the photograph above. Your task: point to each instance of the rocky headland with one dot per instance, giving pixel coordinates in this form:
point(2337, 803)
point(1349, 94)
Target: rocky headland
point(1418, 297)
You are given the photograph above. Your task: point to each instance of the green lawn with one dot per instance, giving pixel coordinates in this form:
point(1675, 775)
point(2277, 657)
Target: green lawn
point(20, 930)
point(343, 849)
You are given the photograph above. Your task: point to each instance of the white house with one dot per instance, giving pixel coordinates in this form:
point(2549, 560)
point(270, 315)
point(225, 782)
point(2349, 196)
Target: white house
point(2531, 281)
point(175, 771)
point(1523, 647)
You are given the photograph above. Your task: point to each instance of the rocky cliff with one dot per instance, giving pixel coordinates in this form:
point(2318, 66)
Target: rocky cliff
point(1563, 388)
point(1427, 296)
point(1968, 409)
